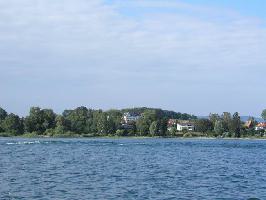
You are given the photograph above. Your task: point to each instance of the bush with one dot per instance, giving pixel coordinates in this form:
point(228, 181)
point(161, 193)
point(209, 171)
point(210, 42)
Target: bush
point(188, 135)
point(121, 132)
point(227, 134)
point(30, 135)
point(184, 131)
point(66, 135)
point(3, 134)
point(50, 132)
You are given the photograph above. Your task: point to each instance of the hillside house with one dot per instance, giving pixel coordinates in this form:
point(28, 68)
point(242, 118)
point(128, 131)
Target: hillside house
point(185, 125)
point(261, 126)
point(130, 117)
point(172, 123)
point(249, 124)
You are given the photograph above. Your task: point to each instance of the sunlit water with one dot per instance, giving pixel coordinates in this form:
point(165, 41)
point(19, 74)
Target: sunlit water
point(132, 169)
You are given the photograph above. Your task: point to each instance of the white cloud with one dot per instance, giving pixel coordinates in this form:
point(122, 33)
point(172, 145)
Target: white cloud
point(90, 27)
point(88, 38)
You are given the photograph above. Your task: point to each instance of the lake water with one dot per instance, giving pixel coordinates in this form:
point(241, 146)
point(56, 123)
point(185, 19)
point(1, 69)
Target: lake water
point(132, 169)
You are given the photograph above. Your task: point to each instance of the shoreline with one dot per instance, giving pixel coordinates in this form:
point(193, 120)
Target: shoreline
point(130, 137)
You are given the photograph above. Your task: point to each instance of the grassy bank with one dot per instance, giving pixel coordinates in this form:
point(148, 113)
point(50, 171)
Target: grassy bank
point(195, 135)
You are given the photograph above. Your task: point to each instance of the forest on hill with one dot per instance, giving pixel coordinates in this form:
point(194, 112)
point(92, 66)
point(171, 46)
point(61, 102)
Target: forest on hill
point(143, 121)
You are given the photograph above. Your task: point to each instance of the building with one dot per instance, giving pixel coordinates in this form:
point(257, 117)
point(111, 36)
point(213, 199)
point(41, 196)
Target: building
point(130, 117)
point(185, 125)
point(180, 125)
point(261, 126)
point(171, 123)
point(249, 124)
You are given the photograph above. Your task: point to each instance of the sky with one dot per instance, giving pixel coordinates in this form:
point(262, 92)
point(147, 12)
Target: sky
point(193, 56)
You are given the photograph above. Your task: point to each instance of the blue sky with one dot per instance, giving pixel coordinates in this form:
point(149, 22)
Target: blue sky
point(190, 56)
point(254, 8)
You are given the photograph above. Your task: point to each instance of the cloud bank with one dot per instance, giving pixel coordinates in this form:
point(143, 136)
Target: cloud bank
point(64, 53)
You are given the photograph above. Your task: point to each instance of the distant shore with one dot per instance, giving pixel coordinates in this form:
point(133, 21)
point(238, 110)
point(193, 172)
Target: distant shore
point(130, 137)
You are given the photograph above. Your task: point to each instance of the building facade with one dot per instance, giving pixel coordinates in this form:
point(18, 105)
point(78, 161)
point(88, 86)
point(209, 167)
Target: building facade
point(261, 126)
point(181, 126)
point(130, 117)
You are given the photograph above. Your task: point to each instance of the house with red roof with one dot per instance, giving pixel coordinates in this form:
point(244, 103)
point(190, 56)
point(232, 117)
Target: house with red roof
point(261, 126)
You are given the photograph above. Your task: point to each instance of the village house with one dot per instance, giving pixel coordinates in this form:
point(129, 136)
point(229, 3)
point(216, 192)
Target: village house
point(261, 126)
point(171, 123)
point(180, 125)
point(249, 124)
point(130, 117)
point(185, 125)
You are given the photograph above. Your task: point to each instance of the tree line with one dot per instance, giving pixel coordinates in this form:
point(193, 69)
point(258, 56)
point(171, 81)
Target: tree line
point(87, 122)
point(82, 121)
point(225, 125)
point(228, 125)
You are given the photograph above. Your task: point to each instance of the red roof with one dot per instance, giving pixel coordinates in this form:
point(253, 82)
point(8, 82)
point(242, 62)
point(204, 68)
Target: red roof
point(263, 124)
point(172, 122)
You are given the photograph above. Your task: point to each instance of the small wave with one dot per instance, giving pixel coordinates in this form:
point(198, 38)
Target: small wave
point(140, 143)
point(23, 143)
point(129, 144)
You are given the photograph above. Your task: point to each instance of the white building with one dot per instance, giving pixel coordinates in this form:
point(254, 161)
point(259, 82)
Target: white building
point(261, 126)
point(185, 126)
point(130, 117)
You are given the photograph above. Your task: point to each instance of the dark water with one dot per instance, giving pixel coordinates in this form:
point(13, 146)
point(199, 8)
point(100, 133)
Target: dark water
point(132, 169)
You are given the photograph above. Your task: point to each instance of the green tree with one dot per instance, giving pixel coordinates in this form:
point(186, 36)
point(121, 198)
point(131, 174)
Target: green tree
point(61, 124)
point(3, 114)
point(78, 119)
point(147, 117)
point(226, 117)
point(154, 128)
point(121, 132)
point(203, 125)
point(142, 126)
point(111, 125)
point(219, 128)
point(48, 118)
point(151, 115)
point(185, 116)
point(235, 125)
point(162, 127)
point(213, 118)
point(263, 114)
point(12, 124)
point(173, 131)
point(102, 124)
point(93, 122)
point(34, 121)
point(40, 120)
point(115, 116)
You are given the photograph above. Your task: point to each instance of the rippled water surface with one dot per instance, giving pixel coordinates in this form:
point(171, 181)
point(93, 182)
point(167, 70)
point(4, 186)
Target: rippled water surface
point(132, 169)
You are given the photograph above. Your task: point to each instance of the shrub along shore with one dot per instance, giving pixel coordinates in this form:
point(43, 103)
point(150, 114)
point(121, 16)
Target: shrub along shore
point(148, 122)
